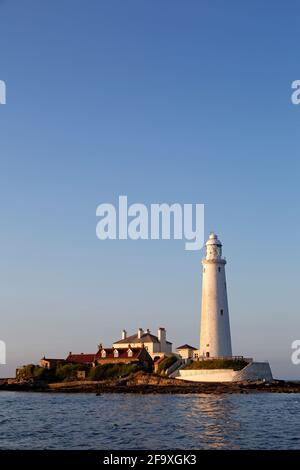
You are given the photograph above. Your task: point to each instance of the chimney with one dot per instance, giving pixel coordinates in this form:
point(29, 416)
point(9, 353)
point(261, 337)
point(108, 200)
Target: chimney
point(140, 333)
point(148, 331)
point(124, 334)
point(162, 338)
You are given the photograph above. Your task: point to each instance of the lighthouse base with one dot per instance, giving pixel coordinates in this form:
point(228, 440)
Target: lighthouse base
point(252, 372)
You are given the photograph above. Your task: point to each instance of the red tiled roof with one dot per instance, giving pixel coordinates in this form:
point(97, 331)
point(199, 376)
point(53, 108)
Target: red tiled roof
point(81, 358)
point(123, 353)
point(51, 359)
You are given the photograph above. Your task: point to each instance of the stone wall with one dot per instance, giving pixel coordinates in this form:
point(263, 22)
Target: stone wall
point(255, 371)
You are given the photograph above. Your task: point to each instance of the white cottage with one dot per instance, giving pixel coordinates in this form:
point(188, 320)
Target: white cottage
point(155, 345)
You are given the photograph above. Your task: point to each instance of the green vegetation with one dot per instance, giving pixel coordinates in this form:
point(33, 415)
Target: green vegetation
point(33, 372)
point(40, 373)
point(28, 370)
point(112, 371)
point(235, 364)
point(68, 372)
point(165, 364)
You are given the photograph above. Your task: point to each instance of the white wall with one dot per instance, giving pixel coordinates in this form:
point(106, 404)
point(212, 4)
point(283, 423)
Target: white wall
point(253, 371)
point(213, 375)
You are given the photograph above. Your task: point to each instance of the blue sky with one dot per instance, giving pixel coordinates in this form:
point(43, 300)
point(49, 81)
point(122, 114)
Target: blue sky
point(165, 102)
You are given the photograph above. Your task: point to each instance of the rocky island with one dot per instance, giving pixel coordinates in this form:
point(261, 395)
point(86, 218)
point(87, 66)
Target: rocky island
point(148, 383)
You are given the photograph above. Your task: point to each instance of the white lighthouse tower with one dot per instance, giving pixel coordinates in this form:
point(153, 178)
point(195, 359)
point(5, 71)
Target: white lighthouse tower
point(215, 338)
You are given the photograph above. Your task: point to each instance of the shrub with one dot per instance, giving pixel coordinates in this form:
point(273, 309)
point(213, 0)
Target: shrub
point(63, 372)
point(235, 364)
point(28, 370)
point(41, 373)
point(68, 372)
point(31, 371)
point(111, 371)
point(165, 364)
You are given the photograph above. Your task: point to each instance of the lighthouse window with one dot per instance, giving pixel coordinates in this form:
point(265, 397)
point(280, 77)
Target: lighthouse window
point(219, 269)
point(221, 311)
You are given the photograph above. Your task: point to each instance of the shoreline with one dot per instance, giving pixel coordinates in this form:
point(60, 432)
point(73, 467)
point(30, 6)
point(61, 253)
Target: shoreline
point(151, 384)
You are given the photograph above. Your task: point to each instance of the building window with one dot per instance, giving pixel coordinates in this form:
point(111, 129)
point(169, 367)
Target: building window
point(129, 353)
point(219, 269)
point(221, 311)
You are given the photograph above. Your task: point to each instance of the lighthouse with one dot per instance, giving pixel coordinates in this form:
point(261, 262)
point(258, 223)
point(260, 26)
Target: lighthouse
point(215, 338)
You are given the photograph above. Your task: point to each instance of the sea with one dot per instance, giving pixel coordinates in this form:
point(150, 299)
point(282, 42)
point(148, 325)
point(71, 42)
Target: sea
point(151, 422)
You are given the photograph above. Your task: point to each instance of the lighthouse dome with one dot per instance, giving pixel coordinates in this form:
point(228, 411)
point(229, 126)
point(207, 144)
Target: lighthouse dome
point(213, 240)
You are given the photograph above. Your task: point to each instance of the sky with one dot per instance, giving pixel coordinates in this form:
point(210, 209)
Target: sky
point(162, 101)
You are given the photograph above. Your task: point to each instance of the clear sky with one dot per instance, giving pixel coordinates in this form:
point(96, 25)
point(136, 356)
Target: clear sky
point(163, 101)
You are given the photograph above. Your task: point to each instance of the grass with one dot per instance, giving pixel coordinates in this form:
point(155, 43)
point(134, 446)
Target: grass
point(235, 364)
